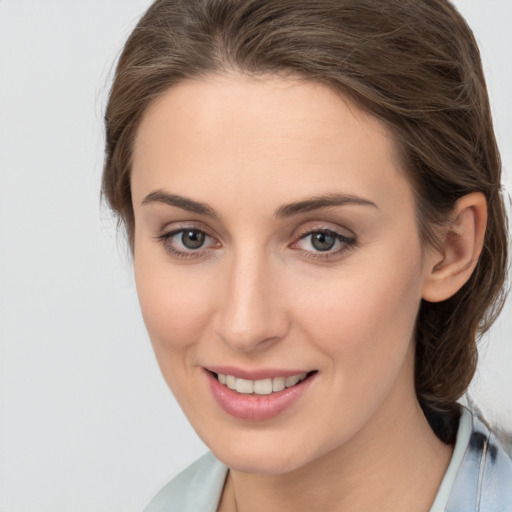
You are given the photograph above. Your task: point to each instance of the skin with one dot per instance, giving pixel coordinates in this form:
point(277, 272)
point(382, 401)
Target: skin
point(258, 294)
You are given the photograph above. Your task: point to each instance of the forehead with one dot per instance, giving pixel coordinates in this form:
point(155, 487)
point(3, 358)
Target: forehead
point(236, 134)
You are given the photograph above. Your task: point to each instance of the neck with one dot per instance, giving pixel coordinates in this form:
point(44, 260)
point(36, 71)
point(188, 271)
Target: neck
point(396, 463)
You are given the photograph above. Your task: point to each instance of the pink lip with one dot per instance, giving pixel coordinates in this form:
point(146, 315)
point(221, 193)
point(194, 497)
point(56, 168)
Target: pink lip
point(267, 373)
point(256, 407)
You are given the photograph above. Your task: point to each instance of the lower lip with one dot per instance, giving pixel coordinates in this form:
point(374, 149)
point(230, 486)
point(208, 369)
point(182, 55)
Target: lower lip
point(256, 407)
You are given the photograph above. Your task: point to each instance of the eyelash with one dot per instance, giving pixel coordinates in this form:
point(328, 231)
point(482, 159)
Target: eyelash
point(347, 243)
point(165, 239)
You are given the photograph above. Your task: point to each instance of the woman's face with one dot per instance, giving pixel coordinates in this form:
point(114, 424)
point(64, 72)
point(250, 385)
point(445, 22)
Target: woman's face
point(275, 238)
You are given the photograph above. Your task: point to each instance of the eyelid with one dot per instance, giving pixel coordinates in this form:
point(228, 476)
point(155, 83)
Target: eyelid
point(323, 226)
point(180, 225)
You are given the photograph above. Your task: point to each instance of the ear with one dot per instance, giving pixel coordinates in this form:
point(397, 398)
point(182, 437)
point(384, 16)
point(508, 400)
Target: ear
point(449, 268)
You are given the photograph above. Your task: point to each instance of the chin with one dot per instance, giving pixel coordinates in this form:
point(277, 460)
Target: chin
point(263, 464)
point(270, 456)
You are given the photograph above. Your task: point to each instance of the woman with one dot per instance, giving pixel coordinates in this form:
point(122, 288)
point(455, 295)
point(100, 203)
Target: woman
point(311, 191)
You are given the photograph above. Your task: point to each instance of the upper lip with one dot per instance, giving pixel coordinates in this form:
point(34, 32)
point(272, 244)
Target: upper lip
point(257, 374)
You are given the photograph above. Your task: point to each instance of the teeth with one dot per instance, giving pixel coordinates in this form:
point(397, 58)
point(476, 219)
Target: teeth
point(291, 381)
point(230, 381)
point(263, 387)
point(278, 383)
point(244, 386)
point(260, 387)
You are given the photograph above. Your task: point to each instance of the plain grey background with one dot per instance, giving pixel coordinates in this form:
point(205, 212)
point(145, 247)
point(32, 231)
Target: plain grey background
point(86, 422)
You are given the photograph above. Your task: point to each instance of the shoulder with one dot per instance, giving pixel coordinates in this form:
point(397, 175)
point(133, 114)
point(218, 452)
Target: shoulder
point(484, 478)
point(198, 487)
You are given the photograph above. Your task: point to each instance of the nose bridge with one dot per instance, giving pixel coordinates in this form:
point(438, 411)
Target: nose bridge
point(249, 312)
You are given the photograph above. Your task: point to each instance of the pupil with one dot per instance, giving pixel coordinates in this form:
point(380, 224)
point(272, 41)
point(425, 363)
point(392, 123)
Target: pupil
point(323, 241)
point(192, 239)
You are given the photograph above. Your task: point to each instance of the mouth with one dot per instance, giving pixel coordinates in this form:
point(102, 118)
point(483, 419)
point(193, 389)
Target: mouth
point(266, 386)
point(263, 398)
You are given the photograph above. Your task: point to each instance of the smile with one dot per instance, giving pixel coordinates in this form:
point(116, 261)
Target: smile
point(266, 395)
point(259, 387)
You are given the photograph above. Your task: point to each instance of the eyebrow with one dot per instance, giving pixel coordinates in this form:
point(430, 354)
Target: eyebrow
point(159, 196)
point(288, 210)
point(324, 201)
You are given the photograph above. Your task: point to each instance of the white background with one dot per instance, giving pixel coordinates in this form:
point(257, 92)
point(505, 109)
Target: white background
point(86, 422)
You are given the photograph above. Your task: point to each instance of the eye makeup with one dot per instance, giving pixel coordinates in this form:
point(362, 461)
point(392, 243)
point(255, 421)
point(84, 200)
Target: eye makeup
point(187, 242)
point(318, 243)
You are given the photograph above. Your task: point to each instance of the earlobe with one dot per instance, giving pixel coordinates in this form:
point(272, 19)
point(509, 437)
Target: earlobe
point(449, 268)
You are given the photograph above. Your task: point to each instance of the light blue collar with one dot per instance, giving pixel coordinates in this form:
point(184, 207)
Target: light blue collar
point(484, 480)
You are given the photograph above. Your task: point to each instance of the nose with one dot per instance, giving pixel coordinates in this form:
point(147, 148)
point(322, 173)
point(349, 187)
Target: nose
point(251, 315)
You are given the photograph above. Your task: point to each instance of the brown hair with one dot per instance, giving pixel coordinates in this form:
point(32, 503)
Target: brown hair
point(415, 65)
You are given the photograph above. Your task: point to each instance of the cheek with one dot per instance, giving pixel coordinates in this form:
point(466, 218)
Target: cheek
point(176, 308)
point(365, 318)
point(175, 305)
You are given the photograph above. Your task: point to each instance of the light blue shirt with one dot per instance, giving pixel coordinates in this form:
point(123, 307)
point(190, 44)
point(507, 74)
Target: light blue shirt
point(478, 478)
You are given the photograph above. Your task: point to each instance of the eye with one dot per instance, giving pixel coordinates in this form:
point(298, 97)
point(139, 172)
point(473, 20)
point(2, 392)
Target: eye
point(192, 239)
point(187, 242)
point(323, 243)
